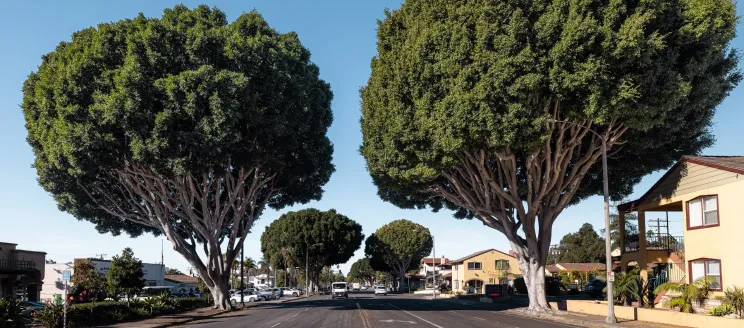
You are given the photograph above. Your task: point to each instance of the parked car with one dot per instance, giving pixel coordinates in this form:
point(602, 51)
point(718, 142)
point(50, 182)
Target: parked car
point(248, 297)
point(595, 287)
point(365, 287)
point(30, 308)
point(493, 290)
point(267, 294)
point(380, 290)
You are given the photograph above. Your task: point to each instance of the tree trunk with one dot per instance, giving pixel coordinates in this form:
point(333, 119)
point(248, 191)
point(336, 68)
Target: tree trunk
point(533, 272)
point(221, 297)
point(401, 279)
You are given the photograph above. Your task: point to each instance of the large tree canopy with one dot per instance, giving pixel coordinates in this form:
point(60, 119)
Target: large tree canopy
point(499, 109)
point(397, 246)
point(320, 239)
point(185, 125)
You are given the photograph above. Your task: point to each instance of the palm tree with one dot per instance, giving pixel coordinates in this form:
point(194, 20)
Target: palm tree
point(696, 292)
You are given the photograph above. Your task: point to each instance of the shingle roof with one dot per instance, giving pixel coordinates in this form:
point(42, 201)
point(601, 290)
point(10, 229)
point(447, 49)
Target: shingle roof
point(181, 278)
point(552, 268)
point(729, 163)
point(478, 253)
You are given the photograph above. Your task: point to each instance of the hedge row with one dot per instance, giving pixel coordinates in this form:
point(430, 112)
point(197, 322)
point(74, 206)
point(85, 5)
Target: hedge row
point(110, 312)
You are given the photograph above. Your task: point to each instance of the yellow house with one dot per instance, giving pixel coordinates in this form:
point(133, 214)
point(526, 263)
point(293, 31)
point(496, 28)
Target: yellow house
point(485, 267)
point(709, 192)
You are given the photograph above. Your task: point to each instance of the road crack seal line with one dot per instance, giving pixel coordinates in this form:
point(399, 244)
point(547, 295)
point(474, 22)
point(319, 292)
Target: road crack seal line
point(420, 318)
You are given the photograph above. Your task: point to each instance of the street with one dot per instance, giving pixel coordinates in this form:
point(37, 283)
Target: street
point(364, 310)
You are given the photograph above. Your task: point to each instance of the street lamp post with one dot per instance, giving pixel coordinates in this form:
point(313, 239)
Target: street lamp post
point(608, 242)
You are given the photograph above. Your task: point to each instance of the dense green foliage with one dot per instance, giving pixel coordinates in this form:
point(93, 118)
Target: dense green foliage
point(583, 246)
point(328, 238)
point(397, 246)
point(184, 93)
point(125, 276)
point(51, 315)
point(11, 314)
point(104, 313)
point(487, 74)
point(734, 296)
point(685, 295)
point(361, 271)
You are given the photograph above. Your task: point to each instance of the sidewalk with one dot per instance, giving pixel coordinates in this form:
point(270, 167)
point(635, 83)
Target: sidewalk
point(514, 307)
point(199, 314)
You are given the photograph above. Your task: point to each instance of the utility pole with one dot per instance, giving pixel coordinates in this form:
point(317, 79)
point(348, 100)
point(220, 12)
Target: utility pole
point(434, 253)
point(242, 286)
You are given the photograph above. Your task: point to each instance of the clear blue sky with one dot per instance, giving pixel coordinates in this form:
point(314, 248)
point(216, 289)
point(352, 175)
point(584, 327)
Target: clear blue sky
point(341, 36)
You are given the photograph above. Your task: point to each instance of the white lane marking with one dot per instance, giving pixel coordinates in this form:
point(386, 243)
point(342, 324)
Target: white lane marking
point(480, 318)
point(276, 324)
point(420, 318)
point(393, 320)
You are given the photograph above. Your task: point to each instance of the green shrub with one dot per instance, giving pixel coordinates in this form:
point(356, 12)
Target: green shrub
point(11, 314)
point(98, 313)
point(189, 303)
point(735, 297)
point(51, 315)
point(722, 310)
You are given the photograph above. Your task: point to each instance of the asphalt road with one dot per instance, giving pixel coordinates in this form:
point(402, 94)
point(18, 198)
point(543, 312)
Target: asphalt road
point(364, 310)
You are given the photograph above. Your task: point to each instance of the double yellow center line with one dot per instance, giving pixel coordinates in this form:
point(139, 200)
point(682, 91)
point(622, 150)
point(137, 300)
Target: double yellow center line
point(363, 316)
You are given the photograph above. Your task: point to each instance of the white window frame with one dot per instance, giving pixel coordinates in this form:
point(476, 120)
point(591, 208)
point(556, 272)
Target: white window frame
point(705, 261)
point(704, 209)
point(480, 266)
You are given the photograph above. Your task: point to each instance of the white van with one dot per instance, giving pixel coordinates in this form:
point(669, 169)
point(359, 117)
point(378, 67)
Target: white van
point(339, 289)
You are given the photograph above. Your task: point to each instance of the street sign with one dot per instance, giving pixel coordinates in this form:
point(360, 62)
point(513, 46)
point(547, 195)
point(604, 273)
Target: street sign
point(66, 275)
point(611, 276)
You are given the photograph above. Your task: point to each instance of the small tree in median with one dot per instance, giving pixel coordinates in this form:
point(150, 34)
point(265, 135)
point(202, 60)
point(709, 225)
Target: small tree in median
point(125, 276)
point(399, 245)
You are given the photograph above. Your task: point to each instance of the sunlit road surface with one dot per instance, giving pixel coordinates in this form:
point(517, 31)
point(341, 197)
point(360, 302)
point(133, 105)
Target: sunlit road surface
point(364, 310)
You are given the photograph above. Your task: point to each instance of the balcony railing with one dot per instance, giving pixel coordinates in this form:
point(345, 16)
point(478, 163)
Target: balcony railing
point(16, 265)
point(656, 242)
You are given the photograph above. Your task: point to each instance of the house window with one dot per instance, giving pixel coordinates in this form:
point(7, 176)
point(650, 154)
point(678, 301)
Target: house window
point(491, 281)
point(474, 266)
point(702, 212)
point(457, 284)
point(502, 264)
point(707, 268)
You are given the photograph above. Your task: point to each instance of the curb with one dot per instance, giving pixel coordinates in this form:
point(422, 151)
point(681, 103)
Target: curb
point(585, 323)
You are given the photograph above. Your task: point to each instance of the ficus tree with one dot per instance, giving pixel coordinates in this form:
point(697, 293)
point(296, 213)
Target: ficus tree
point(361, 271)
point(125, 276)
point(184, 125)
point(583, 246)
point(311, 237)
point(397, 246)
point(499, 110)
